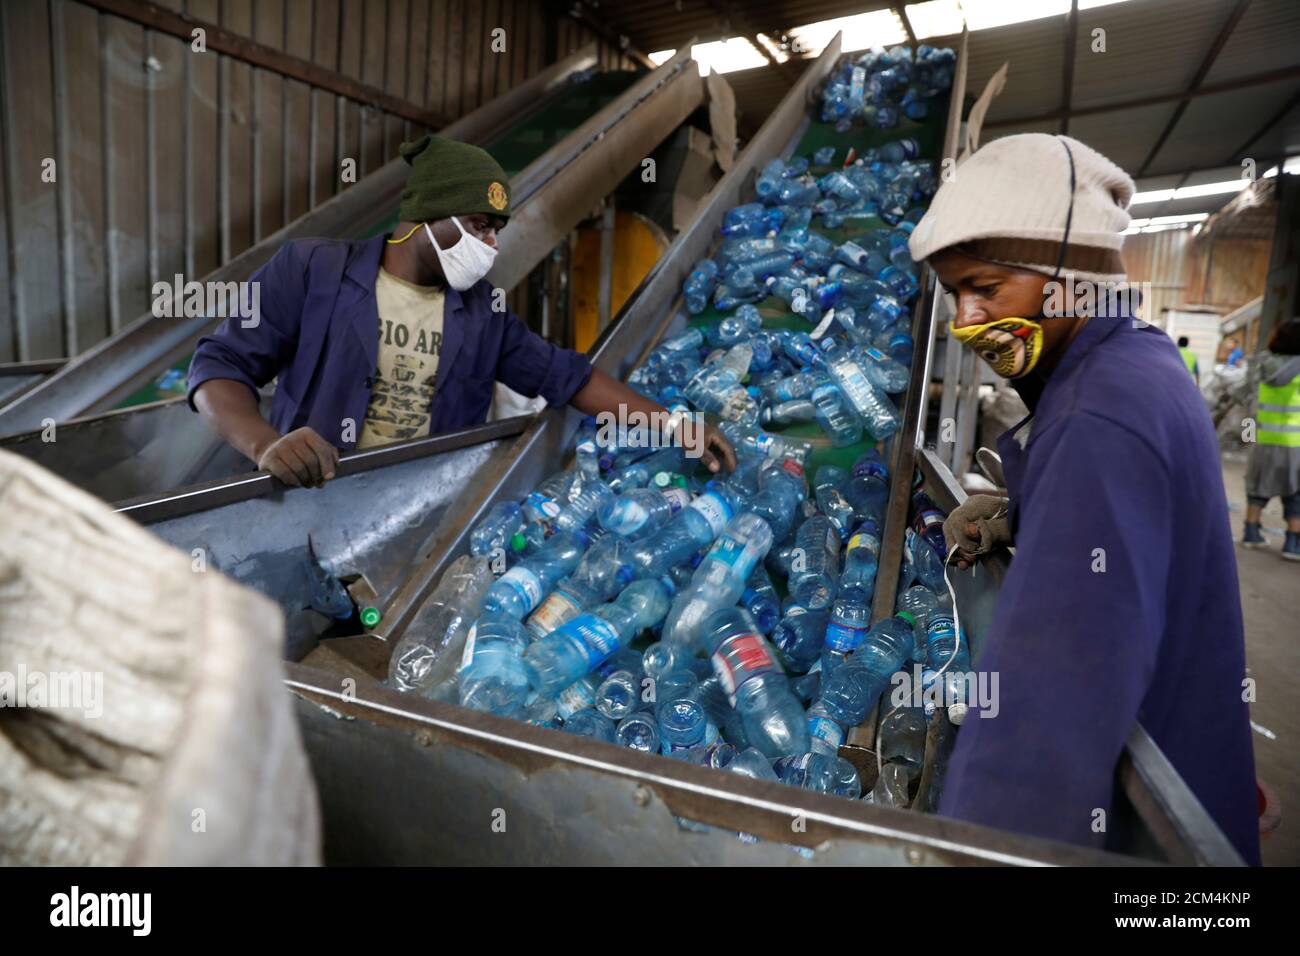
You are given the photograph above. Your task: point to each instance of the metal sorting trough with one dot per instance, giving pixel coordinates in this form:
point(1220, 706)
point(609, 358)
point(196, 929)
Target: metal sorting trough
point(151, 449)
point(407, 780)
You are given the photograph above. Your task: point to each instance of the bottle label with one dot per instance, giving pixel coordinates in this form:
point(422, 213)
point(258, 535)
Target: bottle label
point(557, 609)
point(827, 731)
point(715, 510)
point(735, 555)
point(547, 507)
point(593, 637)
point(876, 354)
point(841, 637)
point(763, 443)
point(740, 659)
point(867, 541)
point(677, 498)
point(577, 696)
point(524, 583)
point(869, 466)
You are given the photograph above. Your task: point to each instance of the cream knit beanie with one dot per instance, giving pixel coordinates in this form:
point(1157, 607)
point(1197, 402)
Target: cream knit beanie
point(1009, 202)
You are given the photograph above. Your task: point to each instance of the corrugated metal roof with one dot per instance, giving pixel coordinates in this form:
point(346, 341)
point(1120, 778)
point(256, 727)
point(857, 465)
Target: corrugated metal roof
point(1153, 48)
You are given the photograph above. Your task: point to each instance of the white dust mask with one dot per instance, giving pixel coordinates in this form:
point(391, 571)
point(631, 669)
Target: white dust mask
point(467, 261)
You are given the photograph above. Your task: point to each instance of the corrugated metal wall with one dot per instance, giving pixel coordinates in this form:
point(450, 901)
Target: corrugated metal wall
point(1221, 271)
point(1158, 258)
point(168, 160)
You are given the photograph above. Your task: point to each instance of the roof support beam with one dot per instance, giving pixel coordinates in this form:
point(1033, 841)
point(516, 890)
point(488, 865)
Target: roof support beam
point(736, 22)
point(1242, 83)
point(1213, 54)
point(1067, 71)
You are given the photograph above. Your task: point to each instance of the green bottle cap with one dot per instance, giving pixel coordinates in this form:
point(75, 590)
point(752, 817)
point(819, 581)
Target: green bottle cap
point(518, 542)
point(679, 481)
point(907, 616)
point(370, 616)
point(662, 479)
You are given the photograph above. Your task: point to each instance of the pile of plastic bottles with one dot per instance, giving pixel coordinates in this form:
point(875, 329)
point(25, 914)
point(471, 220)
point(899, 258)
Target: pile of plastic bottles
point(882, 85)
point(726, 620)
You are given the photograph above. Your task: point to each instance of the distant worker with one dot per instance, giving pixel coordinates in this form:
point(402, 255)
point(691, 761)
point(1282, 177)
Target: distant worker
point(1235, 354)
point(1274, 468)
point(1189, 358)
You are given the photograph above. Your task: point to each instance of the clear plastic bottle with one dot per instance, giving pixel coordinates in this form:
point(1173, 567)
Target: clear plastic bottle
point(618, 695)
point(682, 725)
point(836, 417)
point(830, 500)
point(590, 723)
point(638, 731)
point(493, 677)
point(862, 556)
point(790, 413)
point(719, 580)
point(430, 650)
point(582, 506)
point(522, 588)
point(849, 621)
point(582, 644)
point(494, 532)
point(638, 512)
point(746, 665)
point(799, 637)
point(761, 600)
point(603, 571)
point(753, 439)
point(814, 575)
point(781, 490)
point(821, 773)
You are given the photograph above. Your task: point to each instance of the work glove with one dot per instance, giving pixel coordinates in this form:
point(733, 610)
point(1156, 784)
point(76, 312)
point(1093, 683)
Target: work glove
point(301, 457)
point(975, 527)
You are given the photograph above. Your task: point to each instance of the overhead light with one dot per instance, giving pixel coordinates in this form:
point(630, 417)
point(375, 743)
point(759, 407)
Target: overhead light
point(1190, 192)
point(1169, 220)
point(861, 31)
point(936, 18)
point(722, 56)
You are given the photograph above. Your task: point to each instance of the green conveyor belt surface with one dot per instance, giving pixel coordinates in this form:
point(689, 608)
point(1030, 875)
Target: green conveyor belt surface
point(514, 149)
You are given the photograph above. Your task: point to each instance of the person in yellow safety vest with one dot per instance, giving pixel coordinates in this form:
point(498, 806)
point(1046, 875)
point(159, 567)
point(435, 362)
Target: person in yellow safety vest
point(1189, 358)
point(1274, 468)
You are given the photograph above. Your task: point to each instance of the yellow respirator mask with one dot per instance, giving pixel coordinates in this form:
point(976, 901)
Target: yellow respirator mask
point(1012, 346)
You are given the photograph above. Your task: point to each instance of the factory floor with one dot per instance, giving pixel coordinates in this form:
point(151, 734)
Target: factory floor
point(1270, 602)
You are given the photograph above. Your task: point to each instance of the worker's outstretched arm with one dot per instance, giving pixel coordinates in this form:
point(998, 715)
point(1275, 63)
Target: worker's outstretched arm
point(603, 393)
point(1074, 641)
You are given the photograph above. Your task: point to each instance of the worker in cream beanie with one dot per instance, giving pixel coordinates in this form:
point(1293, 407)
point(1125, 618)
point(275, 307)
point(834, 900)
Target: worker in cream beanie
point(1012, 201)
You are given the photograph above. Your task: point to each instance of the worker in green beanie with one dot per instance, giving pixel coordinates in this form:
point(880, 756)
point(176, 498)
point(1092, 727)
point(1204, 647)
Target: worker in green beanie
point(401, 336)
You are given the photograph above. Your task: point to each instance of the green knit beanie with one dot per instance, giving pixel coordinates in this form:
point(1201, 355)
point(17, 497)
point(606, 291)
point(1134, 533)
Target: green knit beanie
point(451, 179)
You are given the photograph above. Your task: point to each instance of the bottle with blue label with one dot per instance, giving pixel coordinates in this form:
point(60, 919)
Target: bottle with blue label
point(850, 618)
point(825, 733)
point(883, 371)
point(492, 674)
point(761, 600)
point(720, 579)
point(814, 574)
point(919, 602)
point(638, 512)
point(947, 654)
point(746, 665)
point(830, 500)
point(781, 490)
point(927, 521)
point(584, 643)
point(517, 592)
point(693, 529)
point(875, 409)
point(867, 490)
point(751, 439)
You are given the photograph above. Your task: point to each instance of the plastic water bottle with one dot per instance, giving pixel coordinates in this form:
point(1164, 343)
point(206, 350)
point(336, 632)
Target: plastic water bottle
point(821, 773)
point(902, 738)
point(862, 556)
point(692, 529)
point(850, 618)
point(790, 413)
point(682, 725)
point(603, 571)
point(927, 521)
point(868, 488)
point(799, 637)
point(877, 412)
point(928, 565)
point(641, 511)
point(492, 676)
point(947, 660)
point(884, 371)
point(522, 588)
point(430, 650)
point(750, 438)
point(825, 733)
point(494, 532)
point(640, 474)
point(582, 644)
point(760, 599)
point(835, 416)
point(920, 603)
point(582, 505)
point(813, 580)
point(638, 731)
point(756, 686)
point(830, 500)
point(590, 723)
point(618, 695)
point(719, 580)
point(781, 489)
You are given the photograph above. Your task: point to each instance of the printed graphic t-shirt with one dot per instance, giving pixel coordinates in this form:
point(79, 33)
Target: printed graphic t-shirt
point(410, 340)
